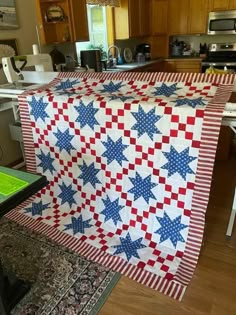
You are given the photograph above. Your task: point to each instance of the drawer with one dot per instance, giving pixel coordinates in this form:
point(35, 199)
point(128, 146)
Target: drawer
point(16, 132)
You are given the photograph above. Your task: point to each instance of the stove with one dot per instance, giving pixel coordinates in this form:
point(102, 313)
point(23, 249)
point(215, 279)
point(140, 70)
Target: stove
point(221, 56)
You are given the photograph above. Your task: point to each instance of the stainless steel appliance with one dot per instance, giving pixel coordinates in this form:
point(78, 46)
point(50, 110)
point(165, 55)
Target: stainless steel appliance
point(91, 59)
point(222, 22)
point(220, 56)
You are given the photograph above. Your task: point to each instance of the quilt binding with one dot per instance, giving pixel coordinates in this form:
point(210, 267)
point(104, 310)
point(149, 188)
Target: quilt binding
point(209, 139)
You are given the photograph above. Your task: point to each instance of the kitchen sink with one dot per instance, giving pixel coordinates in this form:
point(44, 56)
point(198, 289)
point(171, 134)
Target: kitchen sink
point(112, 70)
point(127, 66)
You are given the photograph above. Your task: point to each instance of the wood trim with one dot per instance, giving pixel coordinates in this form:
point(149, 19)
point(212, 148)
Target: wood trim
point(110, 26)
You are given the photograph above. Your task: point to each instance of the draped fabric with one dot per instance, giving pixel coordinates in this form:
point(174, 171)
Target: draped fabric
point(129, 160)
point(112, 3)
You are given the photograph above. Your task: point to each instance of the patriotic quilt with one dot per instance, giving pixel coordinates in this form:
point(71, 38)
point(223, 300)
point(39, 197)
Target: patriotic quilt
point(129, 159)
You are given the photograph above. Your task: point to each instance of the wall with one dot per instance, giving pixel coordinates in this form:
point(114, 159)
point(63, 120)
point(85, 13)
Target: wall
point(26, 35)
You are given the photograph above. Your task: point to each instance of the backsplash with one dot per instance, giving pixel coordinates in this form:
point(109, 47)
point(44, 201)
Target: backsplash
point(130, 43)
point(195, 40)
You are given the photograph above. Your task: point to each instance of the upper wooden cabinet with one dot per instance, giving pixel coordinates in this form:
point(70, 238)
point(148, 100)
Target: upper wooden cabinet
point(144, 17)
point(198, 14)
point(232, 4)
point(217, 5)
point(159, 12)
point(132, 19)
point(178, 16)
point(71, 27)
point(187, 16)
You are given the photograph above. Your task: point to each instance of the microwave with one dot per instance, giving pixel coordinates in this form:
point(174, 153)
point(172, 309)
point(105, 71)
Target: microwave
point(222, 22)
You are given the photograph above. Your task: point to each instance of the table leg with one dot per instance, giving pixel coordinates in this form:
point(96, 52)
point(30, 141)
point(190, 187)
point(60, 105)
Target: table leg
point(232, 218)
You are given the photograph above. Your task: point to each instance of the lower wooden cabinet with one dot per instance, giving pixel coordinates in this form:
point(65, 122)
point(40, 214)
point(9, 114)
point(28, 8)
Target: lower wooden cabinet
point(224, 143)
point(172, 65)
point(183, 65)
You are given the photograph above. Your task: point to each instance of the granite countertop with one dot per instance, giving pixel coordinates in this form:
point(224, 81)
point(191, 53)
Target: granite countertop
point(184, 57)
point(134, 65)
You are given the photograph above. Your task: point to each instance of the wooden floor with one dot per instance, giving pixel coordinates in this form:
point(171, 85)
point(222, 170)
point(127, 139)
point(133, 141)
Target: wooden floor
point(212, 290)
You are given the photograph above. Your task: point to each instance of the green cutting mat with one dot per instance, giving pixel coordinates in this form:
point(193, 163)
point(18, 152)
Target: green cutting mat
point(10, 184)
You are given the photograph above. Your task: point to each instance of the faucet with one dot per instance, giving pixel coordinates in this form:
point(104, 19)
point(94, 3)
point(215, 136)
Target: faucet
point(111, 59)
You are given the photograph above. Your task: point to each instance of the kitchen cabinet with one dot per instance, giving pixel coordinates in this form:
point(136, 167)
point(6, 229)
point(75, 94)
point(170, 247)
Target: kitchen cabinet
point(218, 5)
point(232, 5)
point(144, 17)
point(224, 143)
point(183, 65)
point(178, 16)
point(187, 17)
point(159, 12)
point(55, 27)
point(197, 18)
point(159, 46)
point(132, 19)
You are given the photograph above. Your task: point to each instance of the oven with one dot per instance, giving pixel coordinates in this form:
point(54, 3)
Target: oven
point(220, 56)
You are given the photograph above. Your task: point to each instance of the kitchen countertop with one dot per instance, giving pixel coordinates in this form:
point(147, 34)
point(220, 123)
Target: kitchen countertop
point(134, 65)
point(184, 57)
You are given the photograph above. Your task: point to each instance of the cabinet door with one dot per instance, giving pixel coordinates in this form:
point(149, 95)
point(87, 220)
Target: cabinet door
point(219, 5)
point(144, 17)
point(169, 66)
point(79, 21)
point(178, 16)
point(159, 17)
point(198, 13)
point(232, 4)
point(53, 30)
point(134, 15)
point(73, 27)
point(121, 20)
point(132, 19)
point(189, 66)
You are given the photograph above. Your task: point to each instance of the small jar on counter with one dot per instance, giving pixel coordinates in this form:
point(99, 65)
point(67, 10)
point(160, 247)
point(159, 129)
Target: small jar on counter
point(140, 57)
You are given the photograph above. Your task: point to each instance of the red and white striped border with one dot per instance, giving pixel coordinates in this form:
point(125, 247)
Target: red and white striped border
point(210, 133)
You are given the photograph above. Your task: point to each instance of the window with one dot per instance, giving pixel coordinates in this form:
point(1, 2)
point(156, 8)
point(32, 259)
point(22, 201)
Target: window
point(97, 24)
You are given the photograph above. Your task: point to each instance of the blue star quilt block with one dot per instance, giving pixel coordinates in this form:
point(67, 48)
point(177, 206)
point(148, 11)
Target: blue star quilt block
point(64, 140)
point(146, 122)
point(114, 151)
point(37, 208)
point(166, 90)
point(78, 225)
point(128, 247)
point(38, 109)
point(171, 230)
point(179, 162)
point(87, 113)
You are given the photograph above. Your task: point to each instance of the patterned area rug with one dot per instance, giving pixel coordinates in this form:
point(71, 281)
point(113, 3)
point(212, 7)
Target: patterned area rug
point(62, 282)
